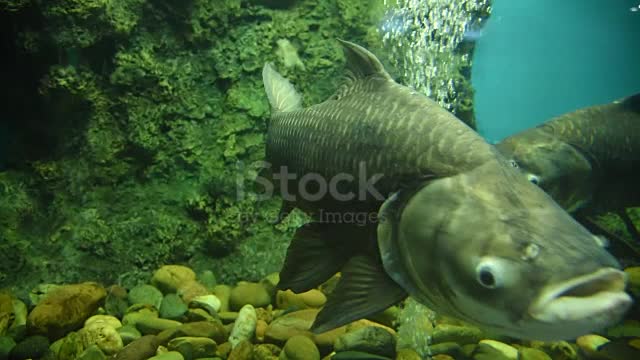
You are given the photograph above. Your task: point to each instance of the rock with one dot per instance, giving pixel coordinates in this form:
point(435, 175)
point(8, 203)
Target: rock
point(170, 278)
point(93, 352)
point(387, 318)
point(169, 355)
point(6, 345)
point(495, 350)
point(140, 349)
point(69, 347)
point(199, 315)
point(128, 333)
point(454, 333)
point(249, 293)
point(33, 347)
point(210, 303)
point(261, 329)
point(228, 316)
point(208, 329)
point(112, 321)
point(65, 309)
point(193, 347)
point(41, 291)
point(357, 355)
point(368, 339)
point(407, 354)
point(208, 279)
point(245, 326)
point(442, 357)
point(191, 290)
point(154, 325)
point(561, 350)
point(291, 324)
point(590, 343)
point(532, 354)
point(448, 348)
point(242, 351)
point(224, 350)
point(145, 294)
point(310, 299)
point(102, 334)
point(18, 327)
point(300, 348)
point(172, 307)
point(223, 293)
point(266, 352)
point(116, 303)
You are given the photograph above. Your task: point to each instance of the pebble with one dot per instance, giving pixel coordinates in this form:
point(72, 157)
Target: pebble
point(590, 343)
point(248, 293)
point(193, 347)
point(532, 354)
point(300, 348)
point(93, 352)
point(242, 351)
point(41, 291)
point(633, 280)
point(223, 293)
point(172, 307)
point(65, 309)
point(128, 333)
point(102, 334)
point(200, 315)
point(140, 349)
point(69, 347)
point(33, 347)
point(459, 334)
point(270, 282)
point(169, 355)
point(407, 354)
point(357, 355)
point(103, 320)
point(228, 316)
point(495, 350)
point(20, 314)
point(261, 329)
point(245, 326)
point(371, 339)
point(145, 294)
point(449, 348)
point(208, 279)
point(191, 290)
point(170, 278)
point(153, 325)
point(210, 303)
point(309, 299)
point(208, 329)
point(266, 351)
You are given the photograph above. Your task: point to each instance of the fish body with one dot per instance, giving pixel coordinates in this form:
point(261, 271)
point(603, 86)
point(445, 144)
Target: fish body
point(589, 158)
point(457, 226)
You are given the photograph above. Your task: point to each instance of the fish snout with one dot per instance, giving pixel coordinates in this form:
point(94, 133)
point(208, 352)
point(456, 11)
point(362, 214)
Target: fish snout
point(596, 297)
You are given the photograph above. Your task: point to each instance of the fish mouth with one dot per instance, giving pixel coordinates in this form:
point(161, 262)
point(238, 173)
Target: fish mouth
point(596, 297)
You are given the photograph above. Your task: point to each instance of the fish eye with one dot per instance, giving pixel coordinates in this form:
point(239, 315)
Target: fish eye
point(514, 164)
point(488, 274)
point(533, 179)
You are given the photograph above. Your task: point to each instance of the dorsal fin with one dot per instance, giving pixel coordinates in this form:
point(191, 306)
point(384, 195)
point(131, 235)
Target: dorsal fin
point(282, 95)
point(361, 63)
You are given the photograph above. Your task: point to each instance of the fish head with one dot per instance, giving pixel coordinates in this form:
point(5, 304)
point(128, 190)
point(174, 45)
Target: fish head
point(559, 168)
point(502, 255)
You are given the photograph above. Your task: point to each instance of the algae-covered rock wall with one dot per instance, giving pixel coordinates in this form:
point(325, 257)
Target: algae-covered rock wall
point(132, 127)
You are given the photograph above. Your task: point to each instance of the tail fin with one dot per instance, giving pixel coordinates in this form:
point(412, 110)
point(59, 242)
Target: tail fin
point(283, 97)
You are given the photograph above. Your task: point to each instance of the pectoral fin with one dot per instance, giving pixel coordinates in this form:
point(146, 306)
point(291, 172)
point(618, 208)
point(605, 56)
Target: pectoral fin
point(317, 252)
point(364, 289)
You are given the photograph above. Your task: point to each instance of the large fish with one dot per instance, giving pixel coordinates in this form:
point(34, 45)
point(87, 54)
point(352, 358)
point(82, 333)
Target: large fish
point(458, 227)
point(586, 159)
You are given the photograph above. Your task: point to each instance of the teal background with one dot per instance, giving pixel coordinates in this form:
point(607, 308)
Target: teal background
point(537, 59)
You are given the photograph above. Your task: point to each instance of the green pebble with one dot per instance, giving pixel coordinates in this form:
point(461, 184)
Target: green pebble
point(93, 352)
point(357, 355)
point(171, 355)
point(208, 279)
point(173, 307)
point(128, 333)
point(532, 354)
point(145, 294)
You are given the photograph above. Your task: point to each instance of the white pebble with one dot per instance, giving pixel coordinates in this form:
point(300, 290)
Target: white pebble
point(245, 325)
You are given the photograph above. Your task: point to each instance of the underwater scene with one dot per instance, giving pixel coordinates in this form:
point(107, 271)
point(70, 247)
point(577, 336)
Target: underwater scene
point(320, 179)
